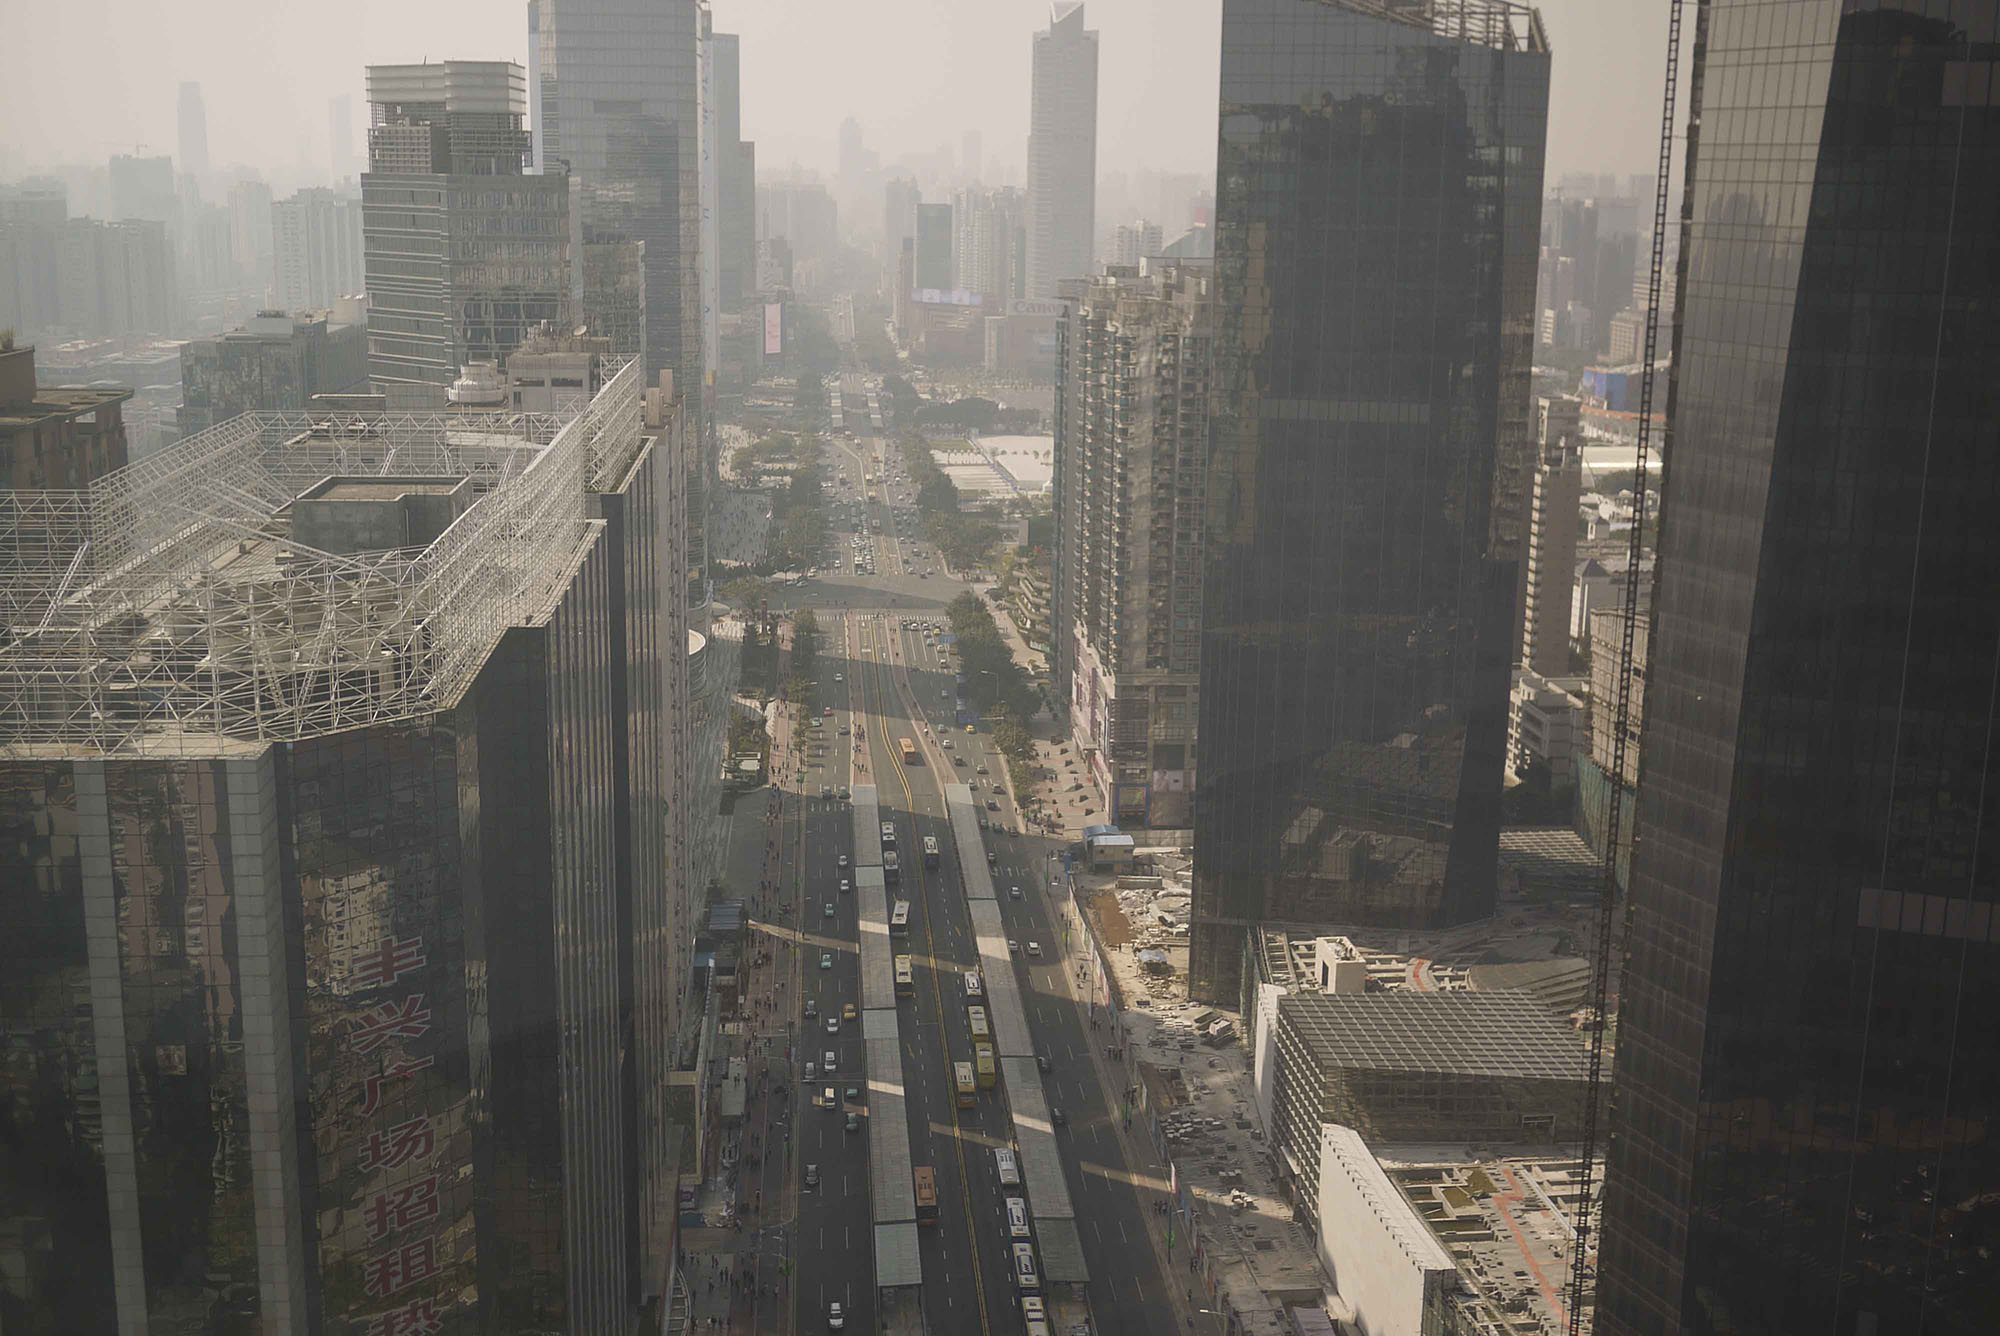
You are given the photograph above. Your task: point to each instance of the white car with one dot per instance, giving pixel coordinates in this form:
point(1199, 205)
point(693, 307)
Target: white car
point(827, 1066)
point(835, 1318)
point(1034, 948)
point(843, 860)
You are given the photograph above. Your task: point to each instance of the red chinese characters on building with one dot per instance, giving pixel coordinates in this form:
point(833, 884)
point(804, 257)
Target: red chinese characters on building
point(407, 1019)
point(411, 1204)
point(392, 958)
point(405, 1262)
point(419, 1317)
point(400, 1268)
point(406, 1141)
point(371, 1089)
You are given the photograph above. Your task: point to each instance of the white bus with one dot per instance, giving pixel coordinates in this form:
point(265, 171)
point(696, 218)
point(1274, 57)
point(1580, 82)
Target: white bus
point(1010, 1172)
point(1025, 1274)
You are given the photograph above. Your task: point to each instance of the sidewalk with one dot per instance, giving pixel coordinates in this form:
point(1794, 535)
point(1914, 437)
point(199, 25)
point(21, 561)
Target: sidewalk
point(732, 1266)
point(1142, 1158)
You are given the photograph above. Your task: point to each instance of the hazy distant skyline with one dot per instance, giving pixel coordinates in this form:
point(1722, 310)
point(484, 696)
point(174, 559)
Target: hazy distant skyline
point(85, 79)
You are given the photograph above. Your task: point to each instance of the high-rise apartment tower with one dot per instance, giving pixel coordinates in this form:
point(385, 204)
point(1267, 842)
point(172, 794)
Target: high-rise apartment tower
point(1131, 443)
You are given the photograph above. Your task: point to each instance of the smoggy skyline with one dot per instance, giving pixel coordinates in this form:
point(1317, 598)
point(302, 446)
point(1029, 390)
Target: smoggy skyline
point(267, 73)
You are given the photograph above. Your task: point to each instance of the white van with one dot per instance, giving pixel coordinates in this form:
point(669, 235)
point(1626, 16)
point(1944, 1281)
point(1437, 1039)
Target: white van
point(1010, 1172)
point(1017, 1217)
point(1025, 1274)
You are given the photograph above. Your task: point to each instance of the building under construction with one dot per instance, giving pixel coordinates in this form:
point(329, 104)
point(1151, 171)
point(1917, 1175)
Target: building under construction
point(342, 776)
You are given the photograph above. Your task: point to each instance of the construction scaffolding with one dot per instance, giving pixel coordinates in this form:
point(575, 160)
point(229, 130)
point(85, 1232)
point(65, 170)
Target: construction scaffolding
point(169, 610)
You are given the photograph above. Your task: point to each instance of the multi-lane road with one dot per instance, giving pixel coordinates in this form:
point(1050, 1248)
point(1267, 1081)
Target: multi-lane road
point(886, 681)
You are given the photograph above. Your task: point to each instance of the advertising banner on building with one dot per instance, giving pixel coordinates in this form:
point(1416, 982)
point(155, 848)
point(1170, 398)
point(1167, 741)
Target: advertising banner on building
point(1036, 306)
point(774, 328)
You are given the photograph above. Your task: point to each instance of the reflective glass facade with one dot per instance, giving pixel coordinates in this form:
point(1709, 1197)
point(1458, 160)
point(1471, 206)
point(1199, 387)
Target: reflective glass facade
point(1377, 219)
point(617, 97)
point(55, 1242)
point(1808, 1069)
point(354, 1035)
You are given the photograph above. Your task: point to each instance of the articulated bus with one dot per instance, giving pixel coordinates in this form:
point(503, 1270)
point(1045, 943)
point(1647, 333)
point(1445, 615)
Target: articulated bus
point(962, 1074)
point(899, 919)
point(909, 750)
point(906, 977)
point(924, 1179)
point(976, 1018)
point(930, 851)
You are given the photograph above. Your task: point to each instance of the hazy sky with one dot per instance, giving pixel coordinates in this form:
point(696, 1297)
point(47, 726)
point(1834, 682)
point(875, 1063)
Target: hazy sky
point(82, 79)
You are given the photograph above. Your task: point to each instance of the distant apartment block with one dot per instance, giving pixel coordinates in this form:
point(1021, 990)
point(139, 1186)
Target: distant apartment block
point(989, 247)
point(1134, 241)
point(316, 243)
point(934, 258)
point(1130, 491)
point(55, 438)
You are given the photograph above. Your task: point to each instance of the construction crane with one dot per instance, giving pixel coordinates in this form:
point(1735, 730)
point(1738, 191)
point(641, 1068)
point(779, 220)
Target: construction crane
point(1583, 1269)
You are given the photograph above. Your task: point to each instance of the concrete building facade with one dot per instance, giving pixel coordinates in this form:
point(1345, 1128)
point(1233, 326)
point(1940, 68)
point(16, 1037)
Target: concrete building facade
point(56, 438)
point(1547, 724)
point(276, 362)
point(1130, 491)
point(1062, 152)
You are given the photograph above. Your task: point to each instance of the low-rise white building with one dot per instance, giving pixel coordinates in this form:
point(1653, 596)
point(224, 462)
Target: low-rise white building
point(1547, 721)
point(1393, 1276)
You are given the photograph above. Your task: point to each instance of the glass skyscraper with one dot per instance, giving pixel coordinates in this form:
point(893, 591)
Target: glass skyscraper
point(1808, 1066)
point(1378, 207)
point(338, 961)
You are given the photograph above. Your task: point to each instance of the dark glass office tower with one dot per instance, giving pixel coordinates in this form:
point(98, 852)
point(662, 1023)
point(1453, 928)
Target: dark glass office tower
point(339, 944)
point(1378, 210)
point(1807, 1114)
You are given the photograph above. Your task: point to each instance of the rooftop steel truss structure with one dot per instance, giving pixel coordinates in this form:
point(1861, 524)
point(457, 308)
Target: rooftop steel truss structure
point(167, 610)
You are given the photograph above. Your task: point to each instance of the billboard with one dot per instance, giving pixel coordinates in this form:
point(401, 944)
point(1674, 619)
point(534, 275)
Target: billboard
point(774, 328)
point(1036, 306)
point(944, 297)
